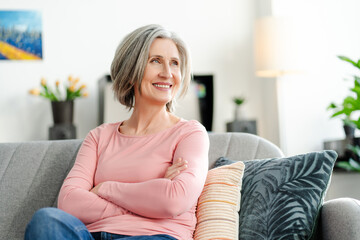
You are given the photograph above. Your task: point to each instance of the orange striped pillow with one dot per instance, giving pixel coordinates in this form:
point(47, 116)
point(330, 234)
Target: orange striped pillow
point(219, 203)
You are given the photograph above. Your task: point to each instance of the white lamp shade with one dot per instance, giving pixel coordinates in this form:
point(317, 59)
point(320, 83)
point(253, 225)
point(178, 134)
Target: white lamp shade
point(274, 47)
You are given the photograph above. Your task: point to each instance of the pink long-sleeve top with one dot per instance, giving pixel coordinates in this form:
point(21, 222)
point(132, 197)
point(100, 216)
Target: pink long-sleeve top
point(135, 198)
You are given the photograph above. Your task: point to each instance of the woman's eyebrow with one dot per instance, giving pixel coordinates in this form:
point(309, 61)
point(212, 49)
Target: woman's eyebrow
point(156, 56)
point(159, 56)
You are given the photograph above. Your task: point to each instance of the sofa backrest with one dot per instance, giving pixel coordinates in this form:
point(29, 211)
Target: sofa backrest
point(240, 147)
point(31, 173)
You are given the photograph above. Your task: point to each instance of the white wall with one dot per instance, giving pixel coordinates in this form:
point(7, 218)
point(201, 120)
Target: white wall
point(325, 28)
point(80, 37)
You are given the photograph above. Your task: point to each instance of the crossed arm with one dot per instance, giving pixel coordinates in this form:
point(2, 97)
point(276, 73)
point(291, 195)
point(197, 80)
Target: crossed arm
point(165, 197)
point(173, 171)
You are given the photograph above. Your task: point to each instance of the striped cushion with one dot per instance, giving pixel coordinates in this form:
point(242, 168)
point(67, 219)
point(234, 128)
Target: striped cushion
point(219, 203)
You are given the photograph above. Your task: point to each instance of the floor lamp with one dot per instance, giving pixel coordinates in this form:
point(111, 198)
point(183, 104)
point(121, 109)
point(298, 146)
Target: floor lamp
point(273, 60)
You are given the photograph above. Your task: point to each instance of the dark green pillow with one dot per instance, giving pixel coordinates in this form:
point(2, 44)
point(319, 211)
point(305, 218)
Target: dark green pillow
point(281, 197)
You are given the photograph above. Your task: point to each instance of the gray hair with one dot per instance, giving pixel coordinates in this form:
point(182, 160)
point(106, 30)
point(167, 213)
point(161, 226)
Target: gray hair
point(130, 61)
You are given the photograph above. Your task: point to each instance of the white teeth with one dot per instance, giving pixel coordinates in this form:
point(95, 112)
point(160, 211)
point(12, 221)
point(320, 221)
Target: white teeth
point(161, 86)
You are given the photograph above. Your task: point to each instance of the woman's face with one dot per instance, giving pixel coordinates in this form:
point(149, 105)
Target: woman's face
point(162, 76)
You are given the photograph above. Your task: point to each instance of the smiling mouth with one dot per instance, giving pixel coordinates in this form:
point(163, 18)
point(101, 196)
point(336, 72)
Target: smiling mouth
point(164, 86)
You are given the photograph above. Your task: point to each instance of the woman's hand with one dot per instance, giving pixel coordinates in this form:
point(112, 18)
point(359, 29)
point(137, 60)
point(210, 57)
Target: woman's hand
point(96, 189)
point(175, 169)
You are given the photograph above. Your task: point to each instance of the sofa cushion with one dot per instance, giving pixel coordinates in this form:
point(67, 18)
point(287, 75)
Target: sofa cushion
point(219, 203)
point(282, 197)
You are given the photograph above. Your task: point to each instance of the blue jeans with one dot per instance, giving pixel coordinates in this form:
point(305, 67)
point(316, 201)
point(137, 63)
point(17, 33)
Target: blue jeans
point(55, 224)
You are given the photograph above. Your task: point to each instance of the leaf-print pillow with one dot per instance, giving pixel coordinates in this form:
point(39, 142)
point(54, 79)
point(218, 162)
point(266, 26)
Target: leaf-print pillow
point(281, 197)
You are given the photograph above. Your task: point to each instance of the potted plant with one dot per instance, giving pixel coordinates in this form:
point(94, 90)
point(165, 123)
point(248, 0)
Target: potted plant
point(62, 99)
point(349, 105)
point(238, 102)
point(346, 108)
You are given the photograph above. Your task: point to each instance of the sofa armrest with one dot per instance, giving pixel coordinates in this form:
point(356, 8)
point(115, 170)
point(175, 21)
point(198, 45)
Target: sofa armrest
point(340, 219)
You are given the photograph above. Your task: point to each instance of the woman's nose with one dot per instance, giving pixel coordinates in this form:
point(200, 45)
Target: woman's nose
point(166, 71)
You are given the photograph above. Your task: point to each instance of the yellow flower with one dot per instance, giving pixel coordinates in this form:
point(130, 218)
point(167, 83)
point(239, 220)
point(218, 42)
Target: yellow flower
point(70, 78)
point(72, 88)
point(34, 91)
point(43, 82)
point(85, 94)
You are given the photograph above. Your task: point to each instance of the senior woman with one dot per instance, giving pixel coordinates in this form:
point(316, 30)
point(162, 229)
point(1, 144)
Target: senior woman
point(139, 178)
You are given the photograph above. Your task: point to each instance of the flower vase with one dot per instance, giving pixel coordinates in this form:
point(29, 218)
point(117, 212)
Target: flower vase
point(62, 112)
point(239, 114)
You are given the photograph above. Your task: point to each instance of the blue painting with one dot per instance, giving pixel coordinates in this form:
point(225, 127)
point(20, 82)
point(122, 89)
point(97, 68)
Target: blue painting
point(20, 35)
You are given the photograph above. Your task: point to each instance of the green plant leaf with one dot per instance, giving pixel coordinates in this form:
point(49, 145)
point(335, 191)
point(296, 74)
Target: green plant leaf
point(354, 148)
point(53, 97)
point(344, 165)
point(349, 60)
point(237, 100)
point(350, 100)
point(350, 104)
point(357, 123)
point(354, 164)
point(357, 80)
point(338, 113)
point(332, 106)
point(355, 89)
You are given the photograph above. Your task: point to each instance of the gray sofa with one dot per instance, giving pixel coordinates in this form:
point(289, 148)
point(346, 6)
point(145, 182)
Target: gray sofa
point(31, 174)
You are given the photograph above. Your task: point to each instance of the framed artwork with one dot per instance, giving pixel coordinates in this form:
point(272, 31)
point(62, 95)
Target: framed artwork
point(20, 35)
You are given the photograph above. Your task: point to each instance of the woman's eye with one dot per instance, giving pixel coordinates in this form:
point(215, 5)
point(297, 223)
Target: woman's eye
point(155, 60)
point(176, 63)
